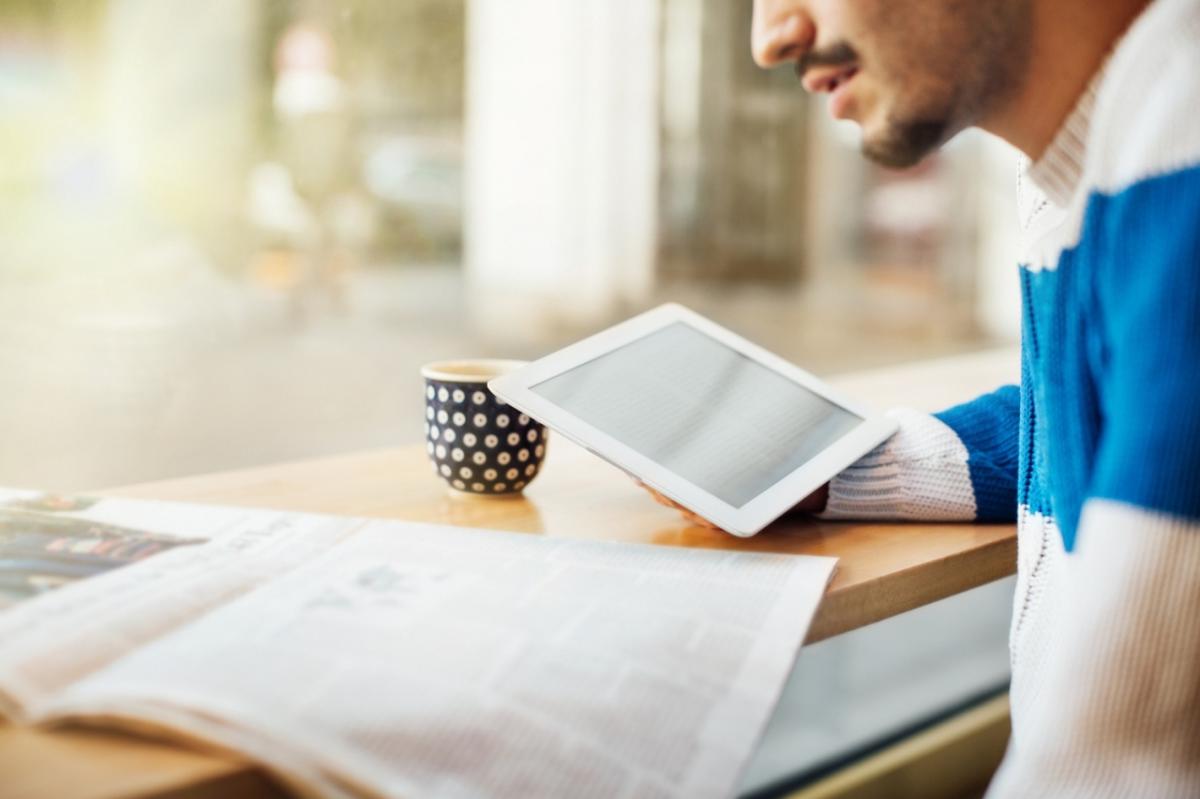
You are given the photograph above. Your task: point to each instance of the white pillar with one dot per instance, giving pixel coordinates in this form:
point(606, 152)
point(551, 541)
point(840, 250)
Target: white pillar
point(562, 145)
point(180, 95)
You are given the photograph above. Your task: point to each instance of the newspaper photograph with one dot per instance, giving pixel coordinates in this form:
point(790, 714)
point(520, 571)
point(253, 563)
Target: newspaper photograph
point(45, 544)
point(57, 631)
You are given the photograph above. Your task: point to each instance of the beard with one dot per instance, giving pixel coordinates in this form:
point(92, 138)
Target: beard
point(948, 84)
point(905, 143)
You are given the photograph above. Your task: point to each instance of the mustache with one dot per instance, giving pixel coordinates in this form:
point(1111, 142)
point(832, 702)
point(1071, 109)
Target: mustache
point(835, 55)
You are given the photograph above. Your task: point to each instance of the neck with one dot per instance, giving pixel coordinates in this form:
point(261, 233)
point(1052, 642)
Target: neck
point(1070, 40)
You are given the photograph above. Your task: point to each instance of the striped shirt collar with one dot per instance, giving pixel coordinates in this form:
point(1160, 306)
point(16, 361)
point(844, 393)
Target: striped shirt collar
point(1058, 172)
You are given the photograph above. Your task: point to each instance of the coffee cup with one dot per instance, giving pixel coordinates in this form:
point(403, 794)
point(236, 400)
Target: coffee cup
point(479, 444)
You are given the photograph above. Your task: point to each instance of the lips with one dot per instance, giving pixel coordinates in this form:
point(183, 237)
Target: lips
point(829, 79)
point(836, 81)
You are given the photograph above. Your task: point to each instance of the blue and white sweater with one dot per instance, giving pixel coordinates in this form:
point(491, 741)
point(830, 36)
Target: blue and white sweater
point(1097, 453)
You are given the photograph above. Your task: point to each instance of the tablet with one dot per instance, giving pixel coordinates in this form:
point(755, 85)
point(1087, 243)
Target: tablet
point(721, 426)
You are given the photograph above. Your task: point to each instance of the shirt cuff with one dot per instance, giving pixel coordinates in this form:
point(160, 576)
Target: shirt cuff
point(919, 474)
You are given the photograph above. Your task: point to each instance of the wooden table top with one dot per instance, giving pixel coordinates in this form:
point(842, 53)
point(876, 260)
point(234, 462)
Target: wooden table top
point(883, 570)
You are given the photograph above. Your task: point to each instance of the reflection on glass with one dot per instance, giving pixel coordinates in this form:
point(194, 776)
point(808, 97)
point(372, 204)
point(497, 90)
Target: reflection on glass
point(231, 230)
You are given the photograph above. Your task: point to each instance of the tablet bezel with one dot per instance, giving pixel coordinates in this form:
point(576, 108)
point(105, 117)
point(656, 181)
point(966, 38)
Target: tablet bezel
point(515, 388)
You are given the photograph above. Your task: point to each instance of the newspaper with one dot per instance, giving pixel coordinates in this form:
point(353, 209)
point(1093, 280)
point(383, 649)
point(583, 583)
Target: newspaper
point(371, 658)
point(202, 557)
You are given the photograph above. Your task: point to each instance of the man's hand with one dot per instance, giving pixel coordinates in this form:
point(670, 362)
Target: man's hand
point(813, 503)
point(687, 514)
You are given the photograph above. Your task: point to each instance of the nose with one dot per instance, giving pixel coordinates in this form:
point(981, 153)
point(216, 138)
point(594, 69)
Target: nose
point(781, 32)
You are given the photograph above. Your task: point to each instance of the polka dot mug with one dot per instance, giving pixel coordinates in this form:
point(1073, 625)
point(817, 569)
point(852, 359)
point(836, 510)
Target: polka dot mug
point(479, 444)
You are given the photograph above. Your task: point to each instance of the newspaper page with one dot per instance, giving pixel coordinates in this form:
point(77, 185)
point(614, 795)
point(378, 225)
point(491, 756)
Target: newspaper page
point(415, 660)
point(84, 581)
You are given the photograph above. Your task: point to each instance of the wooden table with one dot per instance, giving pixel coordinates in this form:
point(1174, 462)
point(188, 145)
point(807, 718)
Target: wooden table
point(884, 569)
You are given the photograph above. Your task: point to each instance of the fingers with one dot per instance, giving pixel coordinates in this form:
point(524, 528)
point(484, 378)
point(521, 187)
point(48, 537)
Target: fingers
point(670, 503)
point(687, 514)
point(699, 520)
point(814, 502)
point(661, 500)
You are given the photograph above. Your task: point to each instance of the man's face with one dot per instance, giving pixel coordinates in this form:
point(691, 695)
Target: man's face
point(912, 73)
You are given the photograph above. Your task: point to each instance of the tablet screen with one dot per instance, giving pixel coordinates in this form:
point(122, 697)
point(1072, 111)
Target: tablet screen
point(716, 418)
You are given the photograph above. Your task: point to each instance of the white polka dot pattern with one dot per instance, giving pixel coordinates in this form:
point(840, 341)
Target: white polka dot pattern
point(477, 443)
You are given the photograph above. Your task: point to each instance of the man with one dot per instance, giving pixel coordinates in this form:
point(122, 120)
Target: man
point(1097, 453)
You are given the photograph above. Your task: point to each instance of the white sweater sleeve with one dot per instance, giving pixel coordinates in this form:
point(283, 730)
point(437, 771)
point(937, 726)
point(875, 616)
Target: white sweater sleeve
point(920, 473)
point(1117, 711)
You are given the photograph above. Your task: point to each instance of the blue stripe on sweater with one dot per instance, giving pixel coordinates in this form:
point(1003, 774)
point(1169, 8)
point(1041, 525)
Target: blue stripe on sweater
point(1148, 373)
point(1111, 359)
point(1110, 398)
point(988, 428)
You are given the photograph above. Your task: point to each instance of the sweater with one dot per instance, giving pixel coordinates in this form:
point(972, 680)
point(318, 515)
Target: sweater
point(1096, 454)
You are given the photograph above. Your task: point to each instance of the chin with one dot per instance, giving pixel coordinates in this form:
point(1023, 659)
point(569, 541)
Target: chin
point(902, 145)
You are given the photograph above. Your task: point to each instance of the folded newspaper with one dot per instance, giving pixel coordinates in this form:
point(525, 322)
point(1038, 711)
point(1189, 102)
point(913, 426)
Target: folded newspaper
point(356, 657)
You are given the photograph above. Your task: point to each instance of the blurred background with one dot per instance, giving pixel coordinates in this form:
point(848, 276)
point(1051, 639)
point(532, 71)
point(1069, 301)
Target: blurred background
point(231, 231)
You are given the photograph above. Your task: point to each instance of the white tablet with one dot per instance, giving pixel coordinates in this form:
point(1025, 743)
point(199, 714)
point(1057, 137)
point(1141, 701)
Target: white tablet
point(719, 425)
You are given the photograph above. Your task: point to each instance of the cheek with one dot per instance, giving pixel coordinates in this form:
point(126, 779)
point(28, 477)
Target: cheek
point(874, 109)
point(837, 15)
point(870, 100)
point(906, 94)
